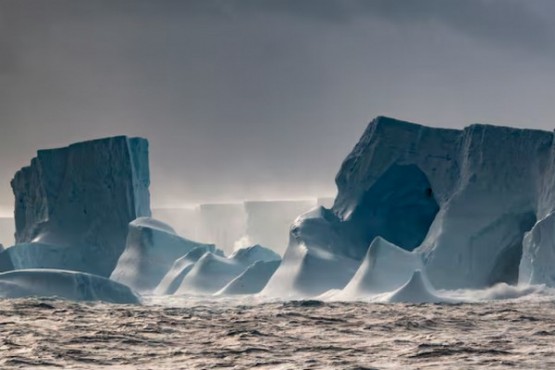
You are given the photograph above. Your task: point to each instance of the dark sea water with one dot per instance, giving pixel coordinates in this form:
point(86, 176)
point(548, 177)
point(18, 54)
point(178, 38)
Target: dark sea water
point(46, 333)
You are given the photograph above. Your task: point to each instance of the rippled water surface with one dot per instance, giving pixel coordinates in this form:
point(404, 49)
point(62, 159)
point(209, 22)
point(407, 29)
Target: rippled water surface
point(291, 335)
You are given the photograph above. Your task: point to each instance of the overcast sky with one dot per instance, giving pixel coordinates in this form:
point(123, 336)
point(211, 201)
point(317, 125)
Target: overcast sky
point(262, 99)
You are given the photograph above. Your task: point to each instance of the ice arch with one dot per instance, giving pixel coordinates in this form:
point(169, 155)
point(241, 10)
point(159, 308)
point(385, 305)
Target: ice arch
point(399, 207)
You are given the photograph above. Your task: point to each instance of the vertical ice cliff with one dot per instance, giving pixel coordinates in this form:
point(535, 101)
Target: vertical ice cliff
point(77, 202)
point(461, 199)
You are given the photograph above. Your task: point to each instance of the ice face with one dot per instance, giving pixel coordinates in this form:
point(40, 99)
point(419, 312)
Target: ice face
point(151, 249)
point(462, 199)
point(63, 284)
point(400, 207)
point(538, 257)
point(81, 199)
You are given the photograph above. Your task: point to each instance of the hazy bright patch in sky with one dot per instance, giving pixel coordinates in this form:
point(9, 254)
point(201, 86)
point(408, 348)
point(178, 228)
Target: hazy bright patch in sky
point(262, 99)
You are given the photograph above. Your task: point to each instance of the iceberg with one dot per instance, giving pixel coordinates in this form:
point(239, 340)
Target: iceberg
point(151, 249)
point(416, 290)
point(252, 280)
point(212, 272)
point(181, 267)
point(386, 267)
point(78, 201)
point(254, 253)
point(70, 285)
point(460, 199)
point(209, 274)
point(537, 265)
point(313, 262)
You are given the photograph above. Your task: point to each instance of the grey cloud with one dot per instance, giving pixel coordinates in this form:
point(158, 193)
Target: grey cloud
point(255, 99)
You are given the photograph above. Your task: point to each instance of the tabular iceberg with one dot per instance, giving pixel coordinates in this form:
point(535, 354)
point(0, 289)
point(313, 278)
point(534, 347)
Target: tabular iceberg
point(460, 199)
point(151, 249)
point(77, 202)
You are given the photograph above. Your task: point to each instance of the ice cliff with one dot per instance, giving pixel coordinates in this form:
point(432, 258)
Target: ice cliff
point(461, 200)
point(76, 203)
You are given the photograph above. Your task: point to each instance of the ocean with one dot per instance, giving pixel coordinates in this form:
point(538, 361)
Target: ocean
point(188, 333)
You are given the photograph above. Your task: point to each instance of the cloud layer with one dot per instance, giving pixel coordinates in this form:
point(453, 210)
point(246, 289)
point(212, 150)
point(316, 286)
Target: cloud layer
point(262, 99)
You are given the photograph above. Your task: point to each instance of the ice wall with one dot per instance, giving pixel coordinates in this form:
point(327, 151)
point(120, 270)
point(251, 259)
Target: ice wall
point(462, 199)
point(80, 199)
